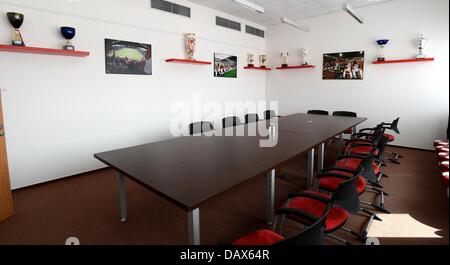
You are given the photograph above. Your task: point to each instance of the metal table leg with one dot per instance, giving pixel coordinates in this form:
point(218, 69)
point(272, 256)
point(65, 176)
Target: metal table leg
point(194, 226)
point(321, 156)
point(341, 143)
point(310, 168)
point(122, 198)
point(270, 196)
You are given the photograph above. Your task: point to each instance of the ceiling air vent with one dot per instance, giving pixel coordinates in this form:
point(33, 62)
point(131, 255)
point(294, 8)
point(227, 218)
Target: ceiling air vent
point(171, 7)
point(223, 22)
point(254, 31)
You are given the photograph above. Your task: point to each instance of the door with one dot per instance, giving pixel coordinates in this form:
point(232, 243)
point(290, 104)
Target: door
point(6, 204)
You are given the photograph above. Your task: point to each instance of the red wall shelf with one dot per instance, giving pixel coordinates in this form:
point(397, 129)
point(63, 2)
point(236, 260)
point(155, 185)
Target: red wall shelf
point(296, 67)
point(186, 61)
point(258, 68)
point(25, 49)
point(405, 61)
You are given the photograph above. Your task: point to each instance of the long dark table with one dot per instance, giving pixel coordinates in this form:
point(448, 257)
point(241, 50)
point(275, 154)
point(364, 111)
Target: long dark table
point(189, 170)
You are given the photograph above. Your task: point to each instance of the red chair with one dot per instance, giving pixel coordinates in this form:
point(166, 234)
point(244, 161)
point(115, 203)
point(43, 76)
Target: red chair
point(312, 235)
point(343, 201)
point(444, 165)
point(443, 156)
point(442, 149)
point(440, 142)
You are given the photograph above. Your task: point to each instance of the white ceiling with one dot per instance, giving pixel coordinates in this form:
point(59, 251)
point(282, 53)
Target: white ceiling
point(275, 9)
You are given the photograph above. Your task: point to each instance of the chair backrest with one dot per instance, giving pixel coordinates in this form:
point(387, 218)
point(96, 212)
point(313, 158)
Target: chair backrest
point(200, 127)
point(230, 121)
point(346, 194)
point(251, 118)
point(394, 125)
point(345, 114)
point(318, 112)
point(311, 235)
point(269, 114)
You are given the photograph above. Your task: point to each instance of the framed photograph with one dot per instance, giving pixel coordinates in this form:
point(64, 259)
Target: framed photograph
point(128, 58)
point(225, 65)
point(344, 66)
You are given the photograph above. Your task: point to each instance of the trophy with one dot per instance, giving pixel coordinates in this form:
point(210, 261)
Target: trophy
point(189, 42)
point(304, 53)
point(68, 33)
point(263, 60)
point(285, 57)
point(422, 41)
point(250, 59)
point(16, 20)
point(381, 52)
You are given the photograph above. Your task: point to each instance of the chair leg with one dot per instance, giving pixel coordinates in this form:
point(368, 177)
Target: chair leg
point(360, 237)
point(370, 214)
point(376, 207)
point(338, 239)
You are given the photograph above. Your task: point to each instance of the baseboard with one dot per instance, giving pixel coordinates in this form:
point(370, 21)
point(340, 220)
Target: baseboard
point(59, 179)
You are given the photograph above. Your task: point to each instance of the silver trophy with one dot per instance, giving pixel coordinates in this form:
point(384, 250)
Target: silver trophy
point(422, 42)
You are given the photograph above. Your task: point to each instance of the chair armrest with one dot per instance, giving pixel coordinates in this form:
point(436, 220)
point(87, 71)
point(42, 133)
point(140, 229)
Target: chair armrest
point(295, 212)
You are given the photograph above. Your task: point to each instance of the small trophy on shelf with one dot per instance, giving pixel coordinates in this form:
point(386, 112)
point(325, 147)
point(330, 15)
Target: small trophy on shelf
point(190, 45)
point(304, 60)
point(16, 20)
point(263, 60)
point(250, 60)
point(285, 57)
point(381, 52)
point(422, 41)
point(68, 33)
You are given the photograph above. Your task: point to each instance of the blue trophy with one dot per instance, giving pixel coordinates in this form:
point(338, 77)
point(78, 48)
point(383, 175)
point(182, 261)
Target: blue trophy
point(381, 53)
point(68, 33)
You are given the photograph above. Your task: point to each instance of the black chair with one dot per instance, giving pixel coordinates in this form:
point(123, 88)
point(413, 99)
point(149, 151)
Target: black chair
point(349, 131)
point(249, 118)
point(200, 127)
point(319, 112)
point(230, 121)
point(311, 235)
point(270, 114)
point(345, 114)
point(343, 201)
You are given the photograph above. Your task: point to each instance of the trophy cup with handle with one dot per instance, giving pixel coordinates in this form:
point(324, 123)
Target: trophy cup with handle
point(422, 41)
point(382, 48)
point(250, 60)
point(16, 20)
point(263, 60)
point(285, 57)
point(190, 45)
point(68, 33)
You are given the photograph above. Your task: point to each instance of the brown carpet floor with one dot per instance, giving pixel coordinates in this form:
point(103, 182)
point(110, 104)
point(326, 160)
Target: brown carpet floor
point(86, 207)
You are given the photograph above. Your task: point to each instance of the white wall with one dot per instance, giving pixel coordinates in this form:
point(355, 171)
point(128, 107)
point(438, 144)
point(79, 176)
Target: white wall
point(416, 92)
point(59, 110)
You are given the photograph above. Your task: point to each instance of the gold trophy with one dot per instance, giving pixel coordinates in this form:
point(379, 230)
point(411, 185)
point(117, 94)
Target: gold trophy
point(16, 20)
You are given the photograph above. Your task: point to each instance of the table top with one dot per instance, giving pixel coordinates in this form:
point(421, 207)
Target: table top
point(189, 170)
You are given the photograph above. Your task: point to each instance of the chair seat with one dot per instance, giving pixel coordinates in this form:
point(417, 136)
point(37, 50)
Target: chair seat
point(348, 131)
point(353, 164)
point(390, 137)
point(440, 142)
point(259, 237)
point(332, 183)
point(445, 178)
point(335, 219)
point(364, 150)
point(443, 156)
point(442, 149)
point(444, 165)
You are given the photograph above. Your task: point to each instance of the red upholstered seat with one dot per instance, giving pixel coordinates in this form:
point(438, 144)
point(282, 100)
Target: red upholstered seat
point(362, 150)
point(443, 156)
point(332, 183)
point(259, 237)
point(440, 142)
point(445, 178)
point(353, 164)
point(348, 131)
point(444, 165)
point(390, 137)
point(335, 219)
point(442, 149)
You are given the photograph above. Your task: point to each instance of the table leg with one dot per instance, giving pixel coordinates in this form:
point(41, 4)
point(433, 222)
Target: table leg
point(194, 226)
point(321, 156)
point(341, 144)
point(122, 197)
point(310, 168)
point(354, 131)
point(270, 196)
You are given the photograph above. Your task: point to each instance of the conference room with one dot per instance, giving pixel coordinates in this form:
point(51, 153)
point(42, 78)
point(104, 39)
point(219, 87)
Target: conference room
point(224, 122)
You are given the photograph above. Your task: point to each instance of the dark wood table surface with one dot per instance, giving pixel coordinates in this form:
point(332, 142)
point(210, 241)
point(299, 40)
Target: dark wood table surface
point(189, 170)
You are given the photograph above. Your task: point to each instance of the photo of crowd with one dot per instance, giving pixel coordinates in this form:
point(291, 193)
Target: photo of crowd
point(225, 65)
point(346, 65)
point(124, 57)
